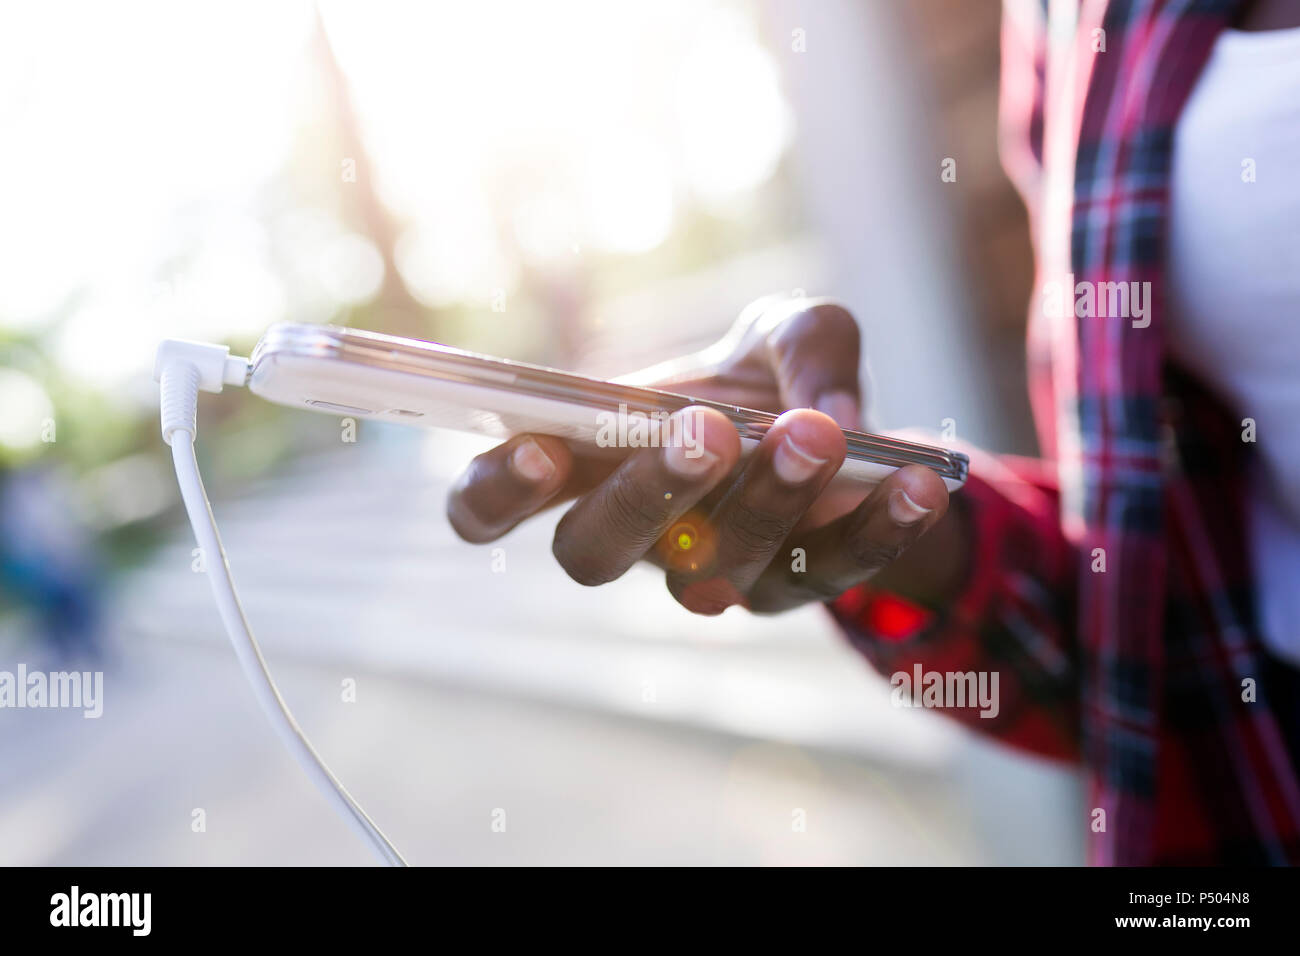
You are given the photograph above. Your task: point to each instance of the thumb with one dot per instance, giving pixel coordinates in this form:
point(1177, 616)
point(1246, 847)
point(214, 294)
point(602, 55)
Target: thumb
point(813, 353)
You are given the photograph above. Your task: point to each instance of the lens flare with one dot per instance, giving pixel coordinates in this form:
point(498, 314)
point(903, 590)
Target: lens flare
point(688, 545)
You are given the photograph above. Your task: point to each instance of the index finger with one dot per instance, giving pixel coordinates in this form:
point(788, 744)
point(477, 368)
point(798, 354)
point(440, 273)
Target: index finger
point(506, 484)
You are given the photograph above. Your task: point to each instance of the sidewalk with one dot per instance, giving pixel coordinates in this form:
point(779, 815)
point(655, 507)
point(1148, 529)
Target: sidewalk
point(610, 725)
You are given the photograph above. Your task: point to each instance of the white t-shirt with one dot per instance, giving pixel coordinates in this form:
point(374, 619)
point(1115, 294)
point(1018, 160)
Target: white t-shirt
point(1234, 285)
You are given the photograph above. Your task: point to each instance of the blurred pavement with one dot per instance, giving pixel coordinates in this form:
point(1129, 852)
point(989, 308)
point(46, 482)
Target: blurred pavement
point(608, 724)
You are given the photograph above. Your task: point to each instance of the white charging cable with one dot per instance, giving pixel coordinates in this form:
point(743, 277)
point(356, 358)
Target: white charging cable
point(183, 369)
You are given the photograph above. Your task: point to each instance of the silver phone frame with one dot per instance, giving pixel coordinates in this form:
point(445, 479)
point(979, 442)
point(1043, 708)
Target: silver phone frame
point(418, 357)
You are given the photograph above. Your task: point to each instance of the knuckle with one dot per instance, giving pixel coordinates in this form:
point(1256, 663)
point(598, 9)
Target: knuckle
point(781, 590)
point(828, 321)
point(872, 555)
point(818, 590)
point(756, 531)
point(765, 604)
point(777, 602)
point(630, 514)
point(753, 313)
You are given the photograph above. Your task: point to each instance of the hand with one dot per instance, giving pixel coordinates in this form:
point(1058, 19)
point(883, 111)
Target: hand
point(724, 531)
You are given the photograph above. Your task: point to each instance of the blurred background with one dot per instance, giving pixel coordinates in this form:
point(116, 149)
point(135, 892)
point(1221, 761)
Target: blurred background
point(590, 185)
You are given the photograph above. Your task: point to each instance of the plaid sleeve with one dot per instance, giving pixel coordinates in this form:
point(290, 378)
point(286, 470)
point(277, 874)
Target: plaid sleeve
point(1010, 618)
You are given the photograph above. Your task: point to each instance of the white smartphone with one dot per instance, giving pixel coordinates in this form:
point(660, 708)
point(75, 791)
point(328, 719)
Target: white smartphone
point(365, 374)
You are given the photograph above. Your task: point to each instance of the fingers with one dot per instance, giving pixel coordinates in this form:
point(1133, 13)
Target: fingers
point(814, 353)
point(612, 526)
point(505, 485)
point(788, 470)
point(849, 551)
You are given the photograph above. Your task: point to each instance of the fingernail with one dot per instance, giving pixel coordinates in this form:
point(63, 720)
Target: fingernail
point(793, 465)
point(840, 406)
point(904, 510)
point(530, 463)
point(689, 461)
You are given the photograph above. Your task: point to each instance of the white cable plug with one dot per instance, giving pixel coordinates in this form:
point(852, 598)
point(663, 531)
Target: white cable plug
point(183, 369)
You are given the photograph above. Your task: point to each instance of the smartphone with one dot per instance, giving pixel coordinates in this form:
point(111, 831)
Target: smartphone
point(360, 374)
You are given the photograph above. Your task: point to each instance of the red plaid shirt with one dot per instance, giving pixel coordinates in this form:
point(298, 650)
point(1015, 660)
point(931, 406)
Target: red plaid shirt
point(1144, 670)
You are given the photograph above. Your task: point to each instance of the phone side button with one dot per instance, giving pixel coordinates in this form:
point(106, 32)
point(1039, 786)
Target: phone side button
point(338, 409)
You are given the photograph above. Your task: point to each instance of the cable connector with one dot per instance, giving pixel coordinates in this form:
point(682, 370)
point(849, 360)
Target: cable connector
point(183, 368)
